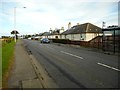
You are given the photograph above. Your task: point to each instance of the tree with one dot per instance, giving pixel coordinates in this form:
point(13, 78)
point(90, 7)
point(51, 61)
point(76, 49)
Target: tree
point(15, 33)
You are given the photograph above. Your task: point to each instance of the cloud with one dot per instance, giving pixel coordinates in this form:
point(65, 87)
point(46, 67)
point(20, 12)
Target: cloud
point(41, 15)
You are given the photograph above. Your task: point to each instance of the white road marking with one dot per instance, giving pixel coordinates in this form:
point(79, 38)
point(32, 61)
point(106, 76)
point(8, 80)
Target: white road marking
point(71, 54)
point(108, 66)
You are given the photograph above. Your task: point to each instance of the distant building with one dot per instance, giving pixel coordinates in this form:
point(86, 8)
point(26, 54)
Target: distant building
point(45, 35)
point(55, 34)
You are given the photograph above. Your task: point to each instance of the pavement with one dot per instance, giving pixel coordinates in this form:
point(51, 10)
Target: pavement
point(23, 74)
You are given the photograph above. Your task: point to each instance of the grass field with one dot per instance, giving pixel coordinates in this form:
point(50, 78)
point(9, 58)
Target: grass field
point(7, 56)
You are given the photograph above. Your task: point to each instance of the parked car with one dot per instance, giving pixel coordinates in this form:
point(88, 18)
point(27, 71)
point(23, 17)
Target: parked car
point(45, 40)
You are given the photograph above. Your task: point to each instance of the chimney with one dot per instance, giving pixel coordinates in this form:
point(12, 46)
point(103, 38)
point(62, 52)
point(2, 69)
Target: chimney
point(61, 30)
point(50, 30)
point(69, 25)
point(78, 23)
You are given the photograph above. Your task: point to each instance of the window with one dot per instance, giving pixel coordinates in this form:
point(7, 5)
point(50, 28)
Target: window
point(56, 36)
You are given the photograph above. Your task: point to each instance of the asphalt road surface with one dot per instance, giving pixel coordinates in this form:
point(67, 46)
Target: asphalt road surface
point(73, 67)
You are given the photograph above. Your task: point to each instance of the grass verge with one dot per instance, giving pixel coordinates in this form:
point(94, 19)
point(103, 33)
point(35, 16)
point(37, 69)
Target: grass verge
point(7, 60)
point(0, 64)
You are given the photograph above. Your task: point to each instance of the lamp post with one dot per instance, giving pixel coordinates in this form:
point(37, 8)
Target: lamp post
point(103, 36)
point(15, 21)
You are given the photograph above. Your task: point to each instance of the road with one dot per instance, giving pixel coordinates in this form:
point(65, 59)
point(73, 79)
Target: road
point(73, 67)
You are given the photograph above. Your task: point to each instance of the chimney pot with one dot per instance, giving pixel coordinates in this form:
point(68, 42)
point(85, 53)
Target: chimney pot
point(69, 25)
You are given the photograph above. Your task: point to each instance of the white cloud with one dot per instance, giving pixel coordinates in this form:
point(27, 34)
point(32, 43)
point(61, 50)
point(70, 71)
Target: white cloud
point(40, 15)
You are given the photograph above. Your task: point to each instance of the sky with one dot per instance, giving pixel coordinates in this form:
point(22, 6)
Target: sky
point(41, 15)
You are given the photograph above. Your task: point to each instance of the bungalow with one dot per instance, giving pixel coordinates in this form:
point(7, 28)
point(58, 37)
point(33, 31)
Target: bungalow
point(45, 35)
point(34, 37)
point(82, 32)
point(55, 34)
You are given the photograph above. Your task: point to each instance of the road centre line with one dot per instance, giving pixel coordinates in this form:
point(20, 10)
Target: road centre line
point(108, 66)
point(71, 54)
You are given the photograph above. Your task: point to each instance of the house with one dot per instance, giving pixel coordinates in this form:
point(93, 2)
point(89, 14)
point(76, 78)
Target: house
point(82, 32)
point(40, 35)
point(45, 35)
point(55, 34)
point(34, 37)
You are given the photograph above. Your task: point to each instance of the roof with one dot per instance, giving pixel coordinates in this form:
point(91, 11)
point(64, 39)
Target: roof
point(40, 34)
point(55, 32)
point(83, 28)
point(111, 28)
point(68, 31)
point(45, 34)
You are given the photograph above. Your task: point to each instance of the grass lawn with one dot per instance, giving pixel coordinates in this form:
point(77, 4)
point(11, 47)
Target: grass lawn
point(7, 56)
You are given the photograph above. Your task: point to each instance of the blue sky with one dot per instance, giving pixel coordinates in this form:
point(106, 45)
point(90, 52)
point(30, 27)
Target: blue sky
point(41, 15)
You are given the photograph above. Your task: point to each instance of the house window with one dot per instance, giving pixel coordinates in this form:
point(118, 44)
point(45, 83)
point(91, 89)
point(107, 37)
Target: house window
point(81, 37)
point(64, 36)
point(56, 36)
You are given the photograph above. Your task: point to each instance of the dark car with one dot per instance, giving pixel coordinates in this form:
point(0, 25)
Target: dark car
point(45, 40)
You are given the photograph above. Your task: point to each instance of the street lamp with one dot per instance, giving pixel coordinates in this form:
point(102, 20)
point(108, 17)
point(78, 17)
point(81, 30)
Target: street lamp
point(15, 21)
point(103, 25)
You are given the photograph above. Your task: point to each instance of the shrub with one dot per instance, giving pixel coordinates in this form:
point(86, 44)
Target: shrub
point(63, 41)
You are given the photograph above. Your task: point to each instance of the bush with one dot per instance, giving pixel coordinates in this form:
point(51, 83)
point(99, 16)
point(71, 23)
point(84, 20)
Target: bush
point(6, 41)
point(63, 41)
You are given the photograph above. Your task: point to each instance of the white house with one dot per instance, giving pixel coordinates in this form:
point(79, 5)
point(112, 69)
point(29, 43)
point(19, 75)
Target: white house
point(55, 34)
point(45, 35)
point(82, 32)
